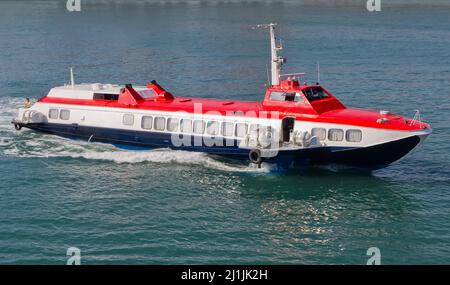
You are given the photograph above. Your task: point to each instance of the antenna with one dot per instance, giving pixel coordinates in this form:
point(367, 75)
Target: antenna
point(277, 61)
point(72, 80)
point(318, 72)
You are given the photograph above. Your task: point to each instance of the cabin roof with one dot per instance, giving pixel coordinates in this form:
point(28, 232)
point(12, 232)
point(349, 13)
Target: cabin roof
point(96, 88)
point(189, 104)
point(83, 94)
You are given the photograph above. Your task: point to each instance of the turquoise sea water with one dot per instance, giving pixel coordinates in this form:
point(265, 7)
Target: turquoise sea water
point(166, 206)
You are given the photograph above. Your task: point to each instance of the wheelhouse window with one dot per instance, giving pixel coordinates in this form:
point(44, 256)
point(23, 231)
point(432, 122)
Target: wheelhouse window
point(199, 127)
point(285, 96)
point(53, 113)
point(227, 129)
point(128, 119)
point(102, 96)
point(299, 97)
point(335, 135)
point(147, 122)
point(172, 125)
point(241, 130)
point(213, 128)
point(186, 126)
point(319, 133)
point(64, 114)
point(315, 93)
point(160, 123)
point(353, 135)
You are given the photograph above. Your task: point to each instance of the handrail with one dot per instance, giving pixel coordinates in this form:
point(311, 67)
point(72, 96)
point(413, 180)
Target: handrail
point(26, 116)
point(292, 75)
point(416, 118)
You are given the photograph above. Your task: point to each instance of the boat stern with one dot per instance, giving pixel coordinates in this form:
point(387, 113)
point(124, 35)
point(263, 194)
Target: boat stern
point(26, 116)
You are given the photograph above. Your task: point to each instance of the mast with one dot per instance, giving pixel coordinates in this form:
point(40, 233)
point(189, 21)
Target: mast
point(276, 60)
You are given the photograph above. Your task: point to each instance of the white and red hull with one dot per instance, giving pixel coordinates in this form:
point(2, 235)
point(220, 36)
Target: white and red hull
point(100, 123)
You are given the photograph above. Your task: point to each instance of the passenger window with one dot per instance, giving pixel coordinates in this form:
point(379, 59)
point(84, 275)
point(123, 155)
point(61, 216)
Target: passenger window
point(227, 129)
point(53, 113)
point(128, 119)
point(353, 135)
point(101, 96)
point(335, 134)
point(160, 123)
point(241, 130)
point(64, 114)
point(172, 124)
point(186, 126)
point(147, 122)
point(199, 127)
point(319, 133)
point(212, 128)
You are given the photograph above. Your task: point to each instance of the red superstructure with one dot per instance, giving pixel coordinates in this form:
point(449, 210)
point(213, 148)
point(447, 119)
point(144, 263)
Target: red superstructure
point(324, 110)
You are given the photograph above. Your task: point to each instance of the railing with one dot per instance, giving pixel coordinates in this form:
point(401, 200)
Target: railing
point(416, 119)
point(27, 116)
point(291, 75)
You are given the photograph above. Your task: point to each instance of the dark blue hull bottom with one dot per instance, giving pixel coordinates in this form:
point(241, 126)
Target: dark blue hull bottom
point(372, 157)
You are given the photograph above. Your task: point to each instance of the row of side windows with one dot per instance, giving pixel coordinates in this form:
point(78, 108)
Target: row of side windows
point(337, 134)
point(63, 114)
point(191, 126)
point(213, 127)
point(228, 128)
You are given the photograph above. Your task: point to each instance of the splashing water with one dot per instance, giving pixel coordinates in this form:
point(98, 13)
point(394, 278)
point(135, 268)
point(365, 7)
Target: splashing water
point(29, 143)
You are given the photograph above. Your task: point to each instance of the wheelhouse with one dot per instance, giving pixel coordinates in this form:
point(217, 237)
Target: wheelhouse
point(289, 96)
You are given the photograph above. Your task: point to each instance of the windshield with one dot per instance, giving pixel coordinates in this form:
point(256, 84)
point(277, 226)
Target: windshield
point(315, 93)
